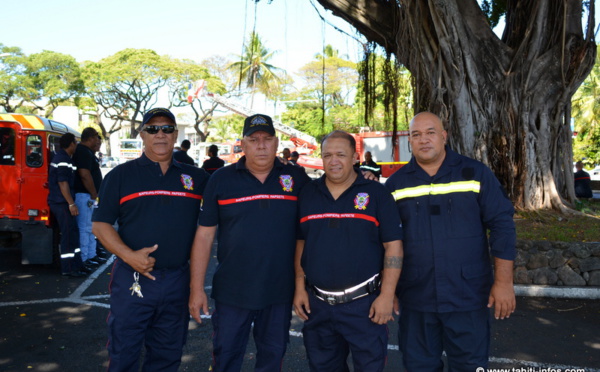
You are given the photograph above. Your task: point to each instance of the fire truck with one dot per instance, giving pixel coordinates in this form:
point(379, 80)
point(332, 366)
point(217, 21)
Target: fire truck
point(27, 144)
point(380, 146)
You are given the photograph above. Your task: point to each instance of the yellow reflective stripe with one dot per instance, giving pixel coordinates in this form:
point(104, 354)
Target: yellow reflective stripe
point(437, 189)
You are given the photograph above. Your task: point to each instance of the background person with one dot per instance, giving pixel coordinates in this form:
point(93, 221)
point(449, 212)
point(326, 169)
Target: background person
point(156, 202)
point(87, 184)
point(583, 183)
point(182, 155)
point(213, 162)
point(61, 199)
point(332, 258)
point(254, 204)
point(447, 204)
point(370, 165)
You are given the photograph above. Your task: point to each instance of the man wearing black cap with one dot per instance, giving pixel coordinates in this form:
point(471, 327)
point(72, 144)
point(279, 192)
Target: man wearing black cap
point(156, 202)
point(254, 204)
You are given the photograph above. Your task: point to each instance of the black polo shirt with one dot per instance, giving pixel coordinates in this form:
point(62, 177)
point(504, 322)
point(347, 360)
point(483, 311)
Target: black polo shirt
point(344, 237)
point(152, 208)
point(212, 164)
point(257, 233)
point(84, 158)
point(182, 157)
point(61, 170)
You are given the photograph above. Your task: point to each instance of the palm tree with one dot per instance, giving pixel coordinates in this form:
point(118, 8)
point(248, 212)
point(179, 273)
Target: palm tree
point(254, 68)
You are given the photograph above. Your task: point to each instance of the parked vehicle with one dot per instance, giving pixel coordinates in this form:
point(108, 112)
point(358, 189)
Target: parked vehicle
point(27, 144)
point(110, 161)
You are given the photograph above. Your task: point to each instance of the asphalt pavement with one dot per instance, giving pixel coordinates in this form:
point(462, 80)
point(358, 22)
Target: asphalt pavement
point(54, 323)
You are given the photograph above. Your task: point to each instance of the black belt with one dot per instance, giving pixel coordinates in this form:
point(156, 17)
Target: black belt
point(339, 297)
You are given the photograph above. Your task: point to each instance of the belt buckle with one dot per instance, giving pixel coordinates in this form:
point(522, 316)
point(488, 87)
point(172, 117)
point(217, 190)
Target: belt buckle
point(331, 300)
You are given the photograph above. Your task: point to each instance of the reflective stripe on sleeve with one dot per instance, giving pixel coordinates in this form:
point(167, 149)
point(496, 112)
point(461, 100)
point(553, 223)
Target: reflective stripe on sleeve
point(437, 189)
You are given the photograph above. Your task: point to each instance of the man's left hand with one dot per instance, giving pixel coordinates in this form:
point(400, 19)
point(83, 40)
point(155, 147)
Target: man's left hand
point(381, 310)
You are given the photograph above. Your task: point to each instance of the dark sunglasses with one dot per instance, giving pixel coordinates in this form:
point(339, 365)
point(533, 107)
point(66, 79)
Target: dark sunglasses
point(153, 129)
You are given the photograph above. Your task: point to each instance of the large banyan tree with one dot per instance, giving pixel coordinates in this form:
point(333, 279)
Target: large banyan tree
point(504, 100)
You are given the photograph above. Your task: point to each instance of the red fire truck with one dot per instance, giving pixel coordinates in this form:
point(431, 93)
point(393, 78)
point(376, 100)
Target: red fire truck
point(27, 144)
point(380, 145)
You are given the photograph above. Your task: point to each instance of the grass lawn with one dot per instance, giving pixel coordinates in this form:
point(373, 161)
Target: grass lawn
point(552, 226)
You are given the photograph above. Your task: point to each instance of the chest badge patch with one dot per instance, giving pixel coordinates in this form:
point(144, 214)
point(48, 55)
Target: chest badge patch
point(287, 182)
point(187, 181)
point(361, 201)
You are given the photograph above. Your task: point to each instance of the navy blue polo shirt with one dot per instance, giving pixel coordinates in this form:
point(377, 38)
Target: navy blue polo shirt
point(61, 170)
point(152, 208)
point(344, 237)
point(84, 158)
point(257, 233)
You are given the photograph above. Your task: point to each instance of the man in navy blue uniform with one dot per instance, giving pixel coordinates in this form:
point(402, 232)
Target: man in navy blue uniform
point(156, 202)
point(182, 155)
point(61, 200)
point(348, 261)
point(87, 184)
point(254, 203)
point(213, 162)
point(447, 204)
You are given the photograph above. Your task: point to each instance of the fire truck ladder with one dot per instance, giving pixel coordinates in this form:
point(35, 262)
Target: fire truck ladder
point(280, 127)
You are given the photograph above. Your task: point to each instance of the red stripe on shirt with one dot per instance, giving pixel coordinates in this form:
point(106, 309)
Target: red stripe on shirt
point(159, 192)
point(257, 197)
point(340, 215)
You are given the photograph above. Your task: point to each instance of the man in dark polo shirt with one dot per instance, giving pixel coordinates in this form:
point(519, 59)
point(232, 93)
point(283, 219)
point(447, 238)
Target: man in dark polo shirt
point(87, 184)
point(182, 155)
point(213, 162)
point(156, 202)
point(254, 204)
point(348, 261)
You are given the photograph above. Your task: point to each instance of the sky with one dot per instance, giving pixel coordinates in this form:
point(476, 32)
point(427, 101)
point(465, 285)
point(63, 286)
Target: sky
point(183, 29)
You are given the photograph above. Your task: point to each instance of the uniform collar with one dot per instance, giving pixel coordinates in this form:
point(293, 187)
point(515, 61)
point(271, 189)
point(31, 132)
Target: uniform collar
point(145, 161)
point(360, 180)
point(241, 164)
point(451, 159)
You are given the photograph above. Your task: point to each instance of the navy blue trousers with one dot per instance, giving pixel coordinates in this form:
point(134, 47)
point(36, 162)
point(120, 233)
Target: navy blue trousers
point(70, 254)
point(231, 327)
point(464, 336)
point(331, 332)
point(159, 320)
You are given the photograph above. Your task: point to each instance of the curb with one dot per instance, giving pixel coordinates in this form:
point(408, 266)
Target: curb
point(557, 292)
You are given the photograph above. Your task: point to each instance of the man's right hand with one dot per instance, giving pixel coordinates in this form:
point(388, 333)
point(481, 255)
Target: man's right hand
point(198, 301)
point(141, 261)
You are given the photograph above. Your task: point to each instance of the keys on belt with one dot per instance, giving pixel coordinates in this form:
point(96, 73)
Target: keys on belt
point(350, 294)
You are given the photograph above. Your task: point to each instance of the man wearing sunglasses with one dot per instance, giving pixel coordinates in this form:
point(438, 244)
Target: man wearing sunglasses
point(155, 202)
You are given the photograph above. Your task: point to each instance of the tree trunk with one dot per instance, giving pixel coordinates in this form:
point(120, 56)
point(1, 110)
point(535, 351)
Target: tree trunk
point(504, 101)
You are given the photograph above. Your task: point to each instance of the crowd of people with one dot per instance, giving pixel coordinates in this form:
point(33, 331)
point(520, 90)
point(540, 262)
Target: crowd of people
point(434, 245)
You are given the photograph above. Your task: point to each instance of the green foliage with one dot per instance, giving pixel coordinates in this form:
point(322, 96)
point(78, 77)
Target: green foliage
point(16, 86)
point(226, 128)
point(387, 82)
point(586, 115)
point(254, 70)
point(493, 10)
point(56, 77)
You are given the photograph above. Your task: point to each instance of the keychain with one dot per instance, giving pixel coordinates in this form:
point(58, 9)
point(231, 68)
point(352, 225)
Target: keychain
point(136, 287)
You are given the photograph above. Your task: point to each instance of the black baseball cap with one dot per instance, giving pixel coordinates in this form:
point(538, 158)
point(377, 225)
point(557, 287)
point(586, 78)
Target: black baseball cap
point(258, 122)
point(158, 111)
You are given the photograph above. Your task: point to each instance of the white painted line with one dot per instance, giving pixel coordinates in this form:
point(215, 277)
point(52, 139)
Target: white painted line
point(557, 292)
point(90, 279)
